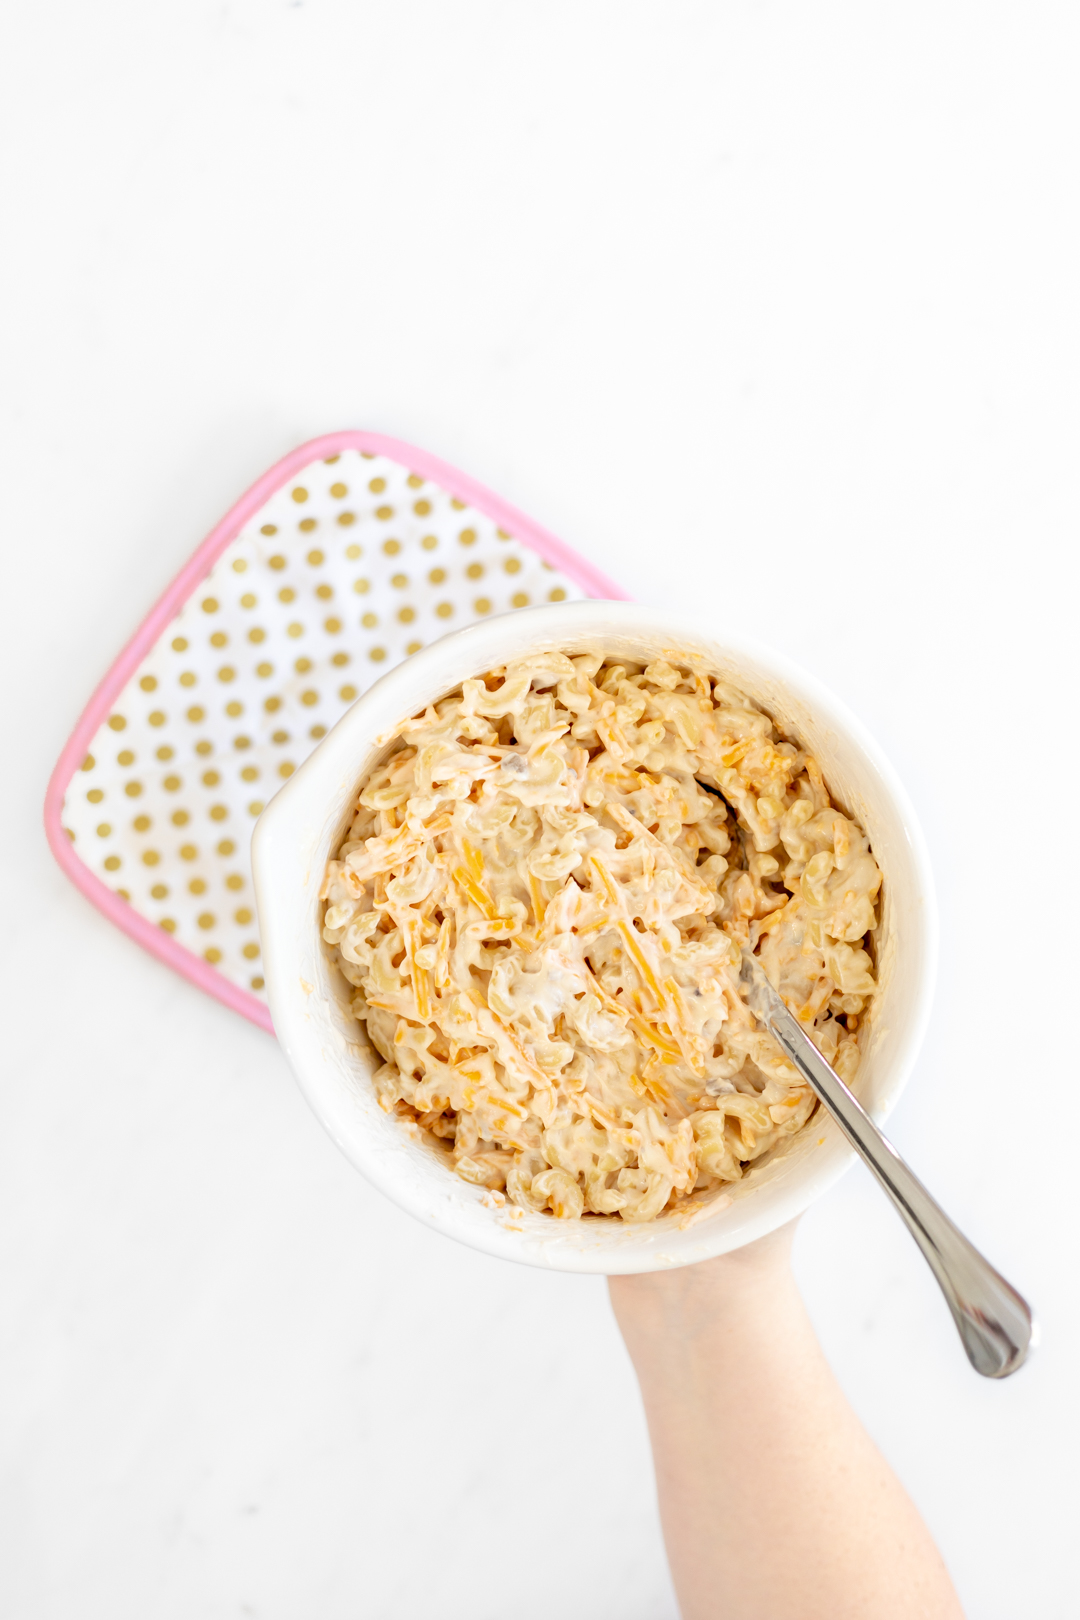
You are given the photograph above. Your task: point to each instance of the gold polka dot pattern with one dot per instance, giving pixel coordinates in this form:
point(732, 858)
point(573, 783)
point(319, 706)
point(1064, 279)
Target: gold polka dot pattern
point(349, 569)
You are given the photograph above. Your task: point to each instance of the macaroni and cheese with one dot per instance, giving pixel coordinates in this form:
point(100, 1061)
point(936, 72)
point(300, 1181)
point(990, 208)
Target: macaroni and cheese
point(541, 903)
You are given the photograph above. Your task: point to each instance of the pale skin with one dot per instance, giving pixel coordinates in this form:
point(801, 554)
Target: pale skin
point(775, 1503)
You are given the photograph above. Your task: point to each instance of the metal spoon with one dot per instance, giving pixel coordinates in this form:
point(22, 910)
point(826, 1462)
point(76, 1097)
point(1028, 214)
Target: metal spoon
point(994, 1322)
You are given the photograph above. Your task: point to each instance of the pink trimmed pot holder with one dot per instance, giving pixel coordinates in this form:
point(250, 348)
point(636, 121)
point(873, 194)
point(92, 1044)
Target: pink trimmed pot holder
point(342, 560)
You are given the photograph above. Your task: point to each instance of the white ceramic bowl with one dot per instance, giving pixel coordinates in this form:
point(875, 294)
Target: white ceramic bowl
point(327, 1048)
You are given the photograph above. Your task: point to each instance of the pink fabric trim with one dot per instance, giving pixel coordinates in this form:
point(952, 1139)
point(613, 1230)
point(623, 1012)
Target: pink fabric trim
point(466, 489)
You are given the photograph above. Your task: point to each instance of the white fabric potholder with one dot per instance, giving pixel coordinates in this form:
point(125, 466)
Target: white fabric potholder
point(349, 555)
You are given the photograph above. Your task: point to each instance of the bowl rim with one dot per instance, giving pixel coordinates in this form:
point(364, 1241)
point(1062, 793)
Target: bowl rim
point(372, 720)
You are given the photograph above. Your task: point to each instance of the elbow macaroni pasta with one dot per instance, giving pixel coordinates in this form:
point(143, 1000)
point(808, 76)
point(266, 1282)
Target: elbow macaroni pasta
point(542, 910)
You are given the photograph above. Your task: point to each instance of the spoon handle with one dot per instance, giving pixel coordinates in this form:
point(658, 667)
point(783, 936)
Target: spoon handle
point(995, 1324)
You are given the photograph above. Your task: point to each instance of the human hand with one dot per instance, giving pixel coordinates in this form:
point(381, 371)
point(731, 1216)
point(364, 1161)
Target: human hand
point(773, 1499)
point(658, 1309)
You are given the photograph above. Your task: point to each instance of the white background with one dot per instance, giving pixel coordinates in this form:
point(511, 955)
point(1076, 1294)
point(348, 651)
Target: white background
point(766, 300)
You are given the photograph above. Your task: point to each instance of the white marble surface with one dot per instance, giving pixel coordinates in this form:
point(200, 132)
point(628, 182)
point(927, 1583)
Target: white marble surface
point(724, 294)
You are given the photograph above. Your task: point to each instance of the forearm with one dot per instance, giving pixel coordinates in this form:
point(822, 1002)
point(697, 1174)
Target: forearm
point(774, 1502)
